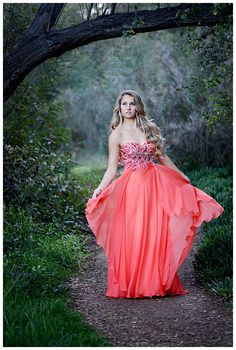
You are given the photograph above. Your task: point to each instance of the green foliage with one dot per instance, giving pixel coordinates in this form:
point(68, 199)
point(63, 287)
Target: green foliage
point(46, 322)
point(210, 257)
point(214, 258)
point(220, 7)
point(197, 9)
point(17, 17)
point(223, 288)
point(36, 255)
point(214, 46)
point(37, 161)
point(43, 242)
point(89, 179)
point(128, 32)
point(137, 23)
point(36, 259)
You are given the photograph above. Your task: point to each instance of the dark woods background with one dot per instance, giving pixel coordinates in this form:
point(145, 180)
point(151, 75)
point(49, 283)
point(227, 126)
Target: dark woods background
point(55, 148)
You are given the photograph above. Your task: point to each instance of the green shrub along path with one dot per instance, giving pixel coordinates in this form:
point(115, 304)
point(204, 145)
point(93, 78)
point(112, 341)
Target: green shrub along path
point(37, 258)
point(203, 317)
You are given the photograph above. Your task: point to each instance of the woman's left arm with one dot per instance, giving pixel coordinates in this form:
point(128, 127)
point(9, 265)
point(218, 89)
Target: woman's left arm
point(165, 160)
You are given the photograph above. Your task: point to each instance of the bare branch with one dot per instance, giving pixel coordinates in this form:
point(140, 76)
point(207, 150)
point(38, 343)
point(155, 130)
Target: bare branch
point(54, 16)
point(113, 6)
point(104, 12)
point(89, 11)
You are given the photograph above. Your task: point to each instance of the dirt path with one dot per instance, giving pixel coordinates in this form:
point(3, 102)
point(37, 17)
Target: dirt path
point(198, 318)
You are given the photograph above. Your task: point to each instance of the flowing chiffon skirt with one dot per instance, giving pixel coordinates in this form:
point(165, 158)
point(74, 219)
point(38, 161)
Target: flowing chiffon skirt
point(145, 220)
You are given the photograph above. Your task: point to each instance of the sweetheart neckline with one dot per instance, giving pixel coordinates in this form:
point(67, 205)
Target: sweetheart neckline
point(136, 143)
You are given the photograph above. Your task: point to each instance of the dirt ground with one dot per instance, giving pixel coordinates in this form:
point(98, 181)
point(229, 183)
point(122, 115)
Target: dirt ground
point(199, 318)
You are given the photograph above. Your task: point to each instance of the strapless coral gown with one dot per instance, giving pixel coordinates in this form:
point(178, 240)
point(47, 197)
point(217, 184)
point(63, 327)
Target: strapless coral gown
point(145, 220)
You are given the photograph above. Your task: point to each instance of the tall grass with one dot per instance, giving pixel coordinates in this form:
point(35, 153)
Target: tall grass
point(37, 258)
point(214, 258)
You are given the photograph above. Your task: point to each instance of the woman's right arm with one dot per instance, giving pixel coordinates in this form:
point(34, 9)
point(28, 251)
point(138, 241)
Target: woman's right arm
point(113, 159)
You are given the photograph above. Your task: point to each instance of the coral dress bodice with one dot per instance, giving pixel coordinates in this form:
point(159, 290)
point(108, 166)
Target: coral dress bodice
point(136, 155)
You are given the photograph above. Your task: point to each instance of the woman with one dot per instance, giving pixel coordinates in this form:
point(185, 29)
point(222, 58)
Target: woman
point(145, 219)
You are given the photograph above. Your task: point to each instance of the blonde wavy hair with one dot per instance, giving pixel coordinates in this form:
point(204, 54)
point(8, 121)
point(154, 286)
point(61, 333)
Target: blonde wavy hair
point(147, 126)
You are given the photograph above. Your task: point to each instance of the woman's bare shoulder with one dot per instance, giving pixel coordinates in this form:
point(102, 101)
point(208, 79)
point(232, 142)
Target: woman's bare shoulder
point(115, 136)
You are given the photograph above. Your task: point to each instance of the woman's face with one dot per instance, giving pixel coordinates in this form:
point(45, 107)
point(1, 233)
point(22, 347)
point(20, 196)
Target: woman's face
point(127, 106)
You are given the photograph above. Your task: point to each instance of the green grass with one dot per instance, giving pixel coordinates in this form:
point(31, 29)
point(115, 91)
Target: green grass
point(45, 322)
point(37, 258)
point(87, 174)
point(91, 161)
point(214, 258)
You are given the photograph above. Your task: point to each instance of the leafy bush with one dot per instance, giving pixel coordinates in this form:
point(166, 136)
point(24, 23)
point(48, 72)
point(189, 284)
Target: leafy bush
point(40, 318)
point(214, 258)
point(37, 256)
point(37, 163)
point(43, 242)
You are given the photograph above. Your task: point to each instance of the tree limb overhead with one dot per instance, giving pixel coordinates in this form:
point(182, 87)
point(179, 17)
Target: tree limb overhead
point(40, 42)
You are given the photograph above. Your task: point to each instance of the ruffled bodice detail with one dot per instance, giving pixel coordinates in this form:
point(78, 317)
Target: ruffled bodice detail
point(136, 155)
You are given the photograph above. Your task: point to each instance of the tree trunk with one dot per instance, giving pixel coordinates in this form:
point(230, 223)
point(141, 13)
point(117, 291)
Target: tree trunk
point(40, 42)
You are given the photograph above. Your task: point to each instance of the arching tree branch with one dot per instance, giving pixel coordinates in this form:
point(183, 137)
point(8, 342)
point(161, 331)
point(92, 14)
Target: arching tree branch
point(38, 44)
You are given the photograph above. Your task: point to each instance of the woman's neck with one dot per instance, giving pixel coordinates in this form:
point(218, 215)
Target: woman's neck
point(129, 123)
